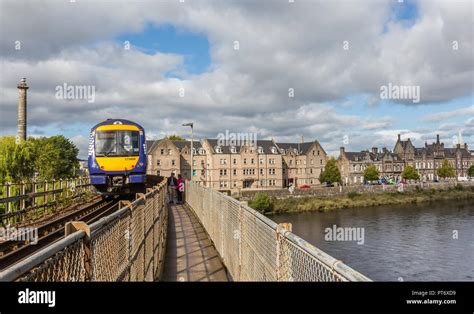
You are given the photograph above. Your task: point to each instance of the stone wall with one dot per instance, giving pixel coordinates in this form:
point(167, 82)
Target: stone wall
point(344, 190)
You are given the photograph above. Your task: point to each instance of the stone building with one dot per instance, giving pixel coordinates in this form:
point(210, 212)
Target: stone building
point(426, 160)
point(266, 165)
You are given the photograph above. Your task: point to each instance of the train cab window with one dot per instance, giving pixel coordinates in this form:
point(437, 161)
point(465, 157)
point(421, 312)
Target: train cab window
point(117, 143)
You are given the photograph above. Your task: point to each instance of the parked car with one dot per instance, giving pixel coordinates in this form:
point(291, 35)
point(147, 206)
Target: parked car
point(304, 186)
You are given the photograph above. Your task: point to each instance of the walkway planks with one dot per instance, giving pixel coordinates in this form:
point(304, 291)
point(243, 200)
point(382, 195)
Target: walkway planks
point(190, 255)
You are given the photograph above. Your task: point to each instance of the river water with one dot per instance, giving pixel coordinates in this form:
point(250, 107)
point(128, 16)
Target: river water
point(415, 242)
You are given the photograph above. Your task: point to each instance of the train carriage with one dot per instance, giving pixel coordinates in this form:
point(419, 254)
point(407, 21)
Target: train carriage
point(117, 157)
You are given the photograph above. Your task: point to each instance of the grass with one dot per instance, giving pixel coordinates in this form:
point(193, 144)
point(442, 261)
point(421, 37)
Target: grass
point(324, 204)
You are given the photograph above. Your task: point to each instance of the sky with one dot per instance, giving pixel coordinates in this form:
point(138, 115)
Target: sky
point(277, 68)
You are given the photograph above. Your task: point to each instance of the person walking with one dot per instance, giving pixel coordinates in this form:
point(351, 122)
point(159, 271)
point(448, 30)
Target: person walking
point(172, 184)
point(180, 189)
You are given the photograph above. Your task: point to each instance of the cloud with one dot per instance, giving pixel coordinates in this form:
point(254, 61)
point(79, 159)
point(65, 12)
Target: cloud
point(282, 46)
point(440, 116)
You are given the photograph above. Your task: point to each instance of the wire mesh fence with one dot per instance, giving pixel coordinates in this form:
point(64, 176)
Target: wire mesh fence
point(128, 245)
point(255, 248)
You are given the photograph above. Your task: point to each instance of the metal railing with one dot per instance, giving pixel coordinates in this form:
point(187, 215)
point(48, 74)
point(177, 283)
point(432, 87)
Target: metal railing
point(128, 245)
point(255, 248)
point(22, 199)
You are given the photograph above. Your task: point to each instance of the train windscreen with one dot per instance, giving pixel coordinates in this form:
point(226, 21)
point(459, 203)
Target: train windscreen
point(117, 143)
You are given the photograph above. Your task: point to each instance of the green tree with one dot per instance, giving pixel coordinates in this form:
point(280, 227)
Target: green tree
point(261, 202)
point(446, 170)
point(371, 173)
point(409, 173)
point(470, 171)
point(175, 138)
point(16, 160)
point(331, 173)
point(56, 157)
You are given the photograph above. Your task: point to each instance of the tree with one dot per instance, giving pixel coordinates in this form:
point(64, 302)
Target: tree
point(16, 160)
point(446, 170)
point(409, 173)
point(261, 202)
point(56, 157)
point(175, 138)
point(371, 173)
point(470, 171)
point(331, 173)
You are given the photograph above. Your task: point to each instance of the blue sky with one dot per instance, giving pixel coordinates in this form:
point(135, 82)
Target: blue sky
point(189, 46)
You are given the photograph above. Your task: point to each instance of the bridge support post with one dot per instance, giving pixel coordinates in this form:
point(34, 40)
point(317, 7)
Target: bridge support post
point(280, 231)
point(74, 226)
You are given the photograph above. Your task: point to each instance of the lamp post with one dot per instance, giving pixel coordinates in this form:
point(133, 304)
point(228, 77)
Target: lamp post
point(191, 124)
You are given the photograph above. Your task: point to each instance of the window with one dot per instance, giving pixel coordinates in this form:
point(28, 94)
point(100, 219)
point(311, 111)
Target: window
point(203, 172)
point(234, 172)
point(313, 152)
point(271, 171)
point(223, 184)
point(173, 162)
point(158, 162)
point(202, 162)
point(262, 182)
point(194, 162)
point(233, 150)
point(311, 162)
point(318, 152)
point(320, 161)
point(274, 150)
point(223, 161)
point(235, 161)
point(223, 172)
point(261, 171)
point(117, 143)
point(252, 161)
point(261, 161)
point(245, 161)
point(218, 149)
point(158, 173)
point(260, 150)
point(162, 151)
point(271, 161)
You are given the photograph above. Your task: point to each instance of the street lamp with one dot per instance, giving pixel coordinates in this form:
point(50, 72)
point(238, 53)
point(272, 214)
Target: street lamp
point(191, 124)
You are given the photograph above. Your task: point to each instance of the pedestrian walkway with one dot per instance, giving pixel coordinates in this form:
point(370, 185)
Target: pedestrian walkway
point(190, 255)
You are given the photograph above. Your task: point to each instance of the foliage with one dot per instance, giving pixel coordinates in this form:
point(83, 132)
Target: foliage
point(16, 160)
point(331, 173)
point(175, 138)
point(49, 157)
point(409, 173)
point(446, 170)
point(261, 202)
point(470, 171)
point(371, 173)
point(353, 194)
point(459, 187)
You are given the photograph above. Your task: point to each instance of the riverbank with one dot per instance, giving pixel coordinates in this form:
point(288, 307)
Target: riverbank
point(323, 204)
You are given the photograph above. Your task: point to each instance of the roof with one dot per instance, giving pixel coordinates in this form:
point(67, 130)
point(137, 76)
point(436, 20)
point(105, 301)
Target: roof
point(117, 121)
point(303, 147)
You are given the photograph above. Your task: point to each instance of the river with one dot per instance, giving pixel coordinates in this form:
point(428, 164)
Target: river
point(415, 242)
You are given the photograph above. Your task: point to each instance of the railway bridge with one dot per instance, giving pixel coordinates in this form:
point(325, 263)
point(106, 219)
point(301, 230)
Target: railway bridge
point(212, 237)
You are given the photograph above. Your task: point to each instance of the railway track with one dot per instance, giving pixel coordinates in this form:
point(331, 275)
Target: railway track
point(14, 251)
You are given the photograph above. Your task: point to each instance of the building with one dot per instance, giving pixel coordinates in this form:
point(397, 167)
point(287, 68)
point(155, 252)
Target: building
point(266, 165)
point(426, 160)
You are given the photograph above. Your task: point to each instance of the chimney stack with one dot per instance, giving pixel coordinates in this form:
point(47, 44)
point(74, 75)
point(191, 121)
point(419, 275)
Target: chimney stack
point(465, 145)
point(437, 138)
point(22, 87)
point(341, 150)
point(398, 136)
point(374, 150)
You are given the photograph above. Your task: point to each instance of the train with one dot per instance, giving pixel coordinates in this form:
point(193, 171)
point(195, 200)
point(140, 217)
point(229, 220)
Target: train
point(117, 158)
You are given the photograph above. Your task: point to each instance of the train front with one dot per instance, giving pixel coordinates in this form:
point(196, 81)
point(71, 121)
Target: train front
point(117, 157)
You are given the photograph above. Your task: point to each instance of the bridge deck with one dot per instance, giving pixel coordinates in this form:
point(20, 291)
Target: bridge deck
point(190, 255)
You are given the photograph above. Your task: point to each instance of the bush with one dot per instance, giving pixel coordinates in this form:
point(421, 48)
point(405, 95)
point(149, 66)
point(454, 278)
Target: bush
point(353, 194)
point(261, 202)
point(459, 187)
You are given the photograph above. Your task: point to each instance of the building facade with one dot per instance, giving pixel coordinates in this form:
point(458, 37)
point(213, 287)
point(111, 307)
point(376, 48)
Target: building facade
point(266, 165)
point(426, 160)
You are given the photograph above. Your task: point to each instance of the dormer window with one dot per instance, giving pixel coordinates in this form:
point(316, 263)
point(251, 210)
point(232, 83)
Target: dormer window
point(260, 150)
point(274, 150)
point(201, 151)
point(218, 149)
point(295, 151)
point(194, 151)
point(233, 150)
